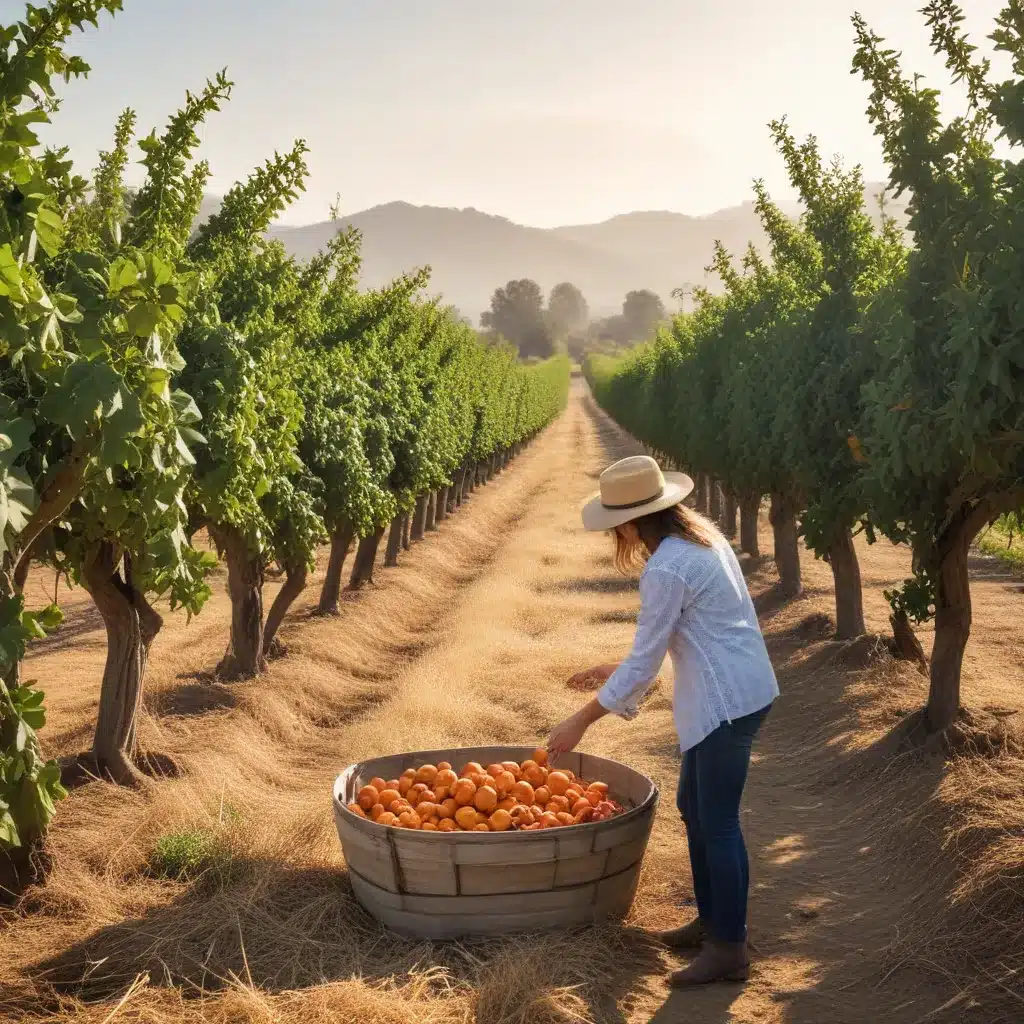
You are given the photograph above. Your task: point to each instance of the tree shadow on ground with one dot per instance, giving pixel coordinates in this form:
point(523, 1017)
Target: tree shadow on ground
point(291, 928)
point(200, 694)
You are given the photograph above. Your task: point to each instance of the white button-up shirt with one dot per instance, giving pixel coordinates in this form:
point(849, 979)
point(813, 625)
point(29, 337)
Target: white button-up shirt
point(695, 606)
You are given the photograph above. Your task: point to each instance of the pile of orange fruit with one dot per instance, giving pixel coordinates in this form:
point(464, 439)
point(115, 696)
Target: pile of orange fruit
point(504, 797)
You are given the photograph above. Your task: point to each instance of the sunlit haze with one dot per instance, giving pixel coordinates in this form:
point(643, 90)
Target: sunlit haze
point(546, 113)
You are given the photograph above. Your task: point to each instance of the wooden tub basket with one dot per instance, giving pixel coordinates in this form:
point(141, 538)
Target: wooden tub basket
point(444, 885)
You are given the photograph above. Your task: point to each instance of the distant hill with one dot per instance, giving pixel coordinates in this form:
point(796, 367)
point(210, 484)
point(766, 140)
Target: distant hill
point(471, 253)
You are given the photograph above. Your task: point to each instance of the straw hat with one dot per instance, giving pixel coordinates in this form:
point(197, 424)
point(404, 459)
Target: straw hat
point(633, 488)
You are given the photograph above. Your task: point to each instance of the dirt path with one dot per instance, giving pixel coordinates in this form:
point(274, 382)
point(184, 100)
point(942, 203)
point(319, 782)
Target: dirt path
point(470, 641)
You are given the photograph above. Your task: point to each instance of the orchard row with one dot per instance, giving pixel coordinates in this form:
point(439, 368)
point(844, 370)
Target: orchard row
point(866, 382)
point(161, 385)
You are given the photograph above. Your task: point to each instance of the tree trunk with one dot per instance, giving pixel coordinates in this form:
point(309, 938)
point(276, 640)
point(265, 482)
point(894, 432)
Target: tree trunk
point(395, 537)
point(442, 503)
point(432, 511)
point(952, 618)
point(407, 532)
point(419, 517)
point(729, 523)
point(842, 557)
point(907, 646)
point(295, 579)
point(366, 557)
point(750, 508)
point(330, 595)
point(131, 624)
point(715, 508)
point(243, 658)
point(787, 544)
point(700, 497)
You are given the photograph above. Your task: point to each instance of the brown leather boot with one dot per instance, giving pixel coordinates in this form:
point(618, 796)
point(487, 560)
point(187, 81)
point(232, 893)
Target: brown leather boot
point(718, 961)
point(690, 936)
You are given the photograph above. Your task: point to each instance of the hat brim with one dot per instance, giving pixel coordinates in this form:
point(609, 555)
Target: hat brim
point(596, 517)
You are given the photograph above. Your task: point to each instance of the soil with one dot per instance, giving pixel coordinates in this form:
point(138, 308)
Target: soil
point(886, 878)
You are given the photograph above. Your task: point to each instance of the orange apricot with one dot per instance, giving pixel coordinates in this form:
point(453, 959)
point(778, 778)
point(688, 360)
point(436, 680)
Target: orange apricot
point(557, 803)
point(471, 768)
point(507, 803)
point(564, 818)
point(357, 810)
point(445, 777)
point(523, 792)
point(404, 785)
point(447, 825)
point(426, 808)
point(409, 819)
point(541, 795)
point(486, 799)
point(428, 826)
point(387, 795)
point(494, 770)
point(447, 808)
point(580, 805)
point(558, 783)
point(513, 767)
point(465, 817)
point(504, 782)
point(378, 783)
point(549, 820)
point(481, 828)
point(533, 773)
point(387, 818)
point(540, 755)
point(599, 787)
point(376, 811)
point(592, 797)
point(500, 821)
point(444, 766)
point(464, 791)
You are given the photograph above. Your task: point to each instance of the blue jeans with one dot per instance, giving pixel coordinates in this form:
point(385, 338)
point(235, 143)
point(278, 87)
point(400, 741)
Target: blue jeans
point(710, 787)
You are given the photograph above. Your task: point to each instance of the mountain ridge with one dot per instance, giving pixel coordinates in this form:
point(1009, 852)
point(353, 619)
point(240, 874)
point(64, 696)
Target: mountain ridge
point(471, 252)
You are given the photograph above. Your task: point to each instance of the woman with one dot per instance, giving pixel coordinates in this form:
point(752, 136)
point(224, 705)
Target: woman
point(694, 605)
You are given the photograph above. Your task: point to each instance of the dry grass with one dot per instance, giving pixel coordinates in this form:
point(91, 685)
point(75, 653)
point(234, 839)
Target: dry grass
point(887, 881)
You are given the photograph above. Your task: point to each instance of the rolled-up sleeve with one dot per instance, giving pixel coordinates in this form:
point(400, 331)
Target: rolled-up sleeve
point(662, 598)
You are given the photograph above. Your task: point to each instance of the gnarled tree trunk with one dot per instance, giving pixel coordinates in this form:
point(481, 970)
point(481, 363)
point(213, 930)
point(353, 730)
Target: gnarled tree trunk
point(395, 536)
point(366, 557)
point(905, 641)
point(243, 658)
point(407, 532)
point(952, 616)
point(131, 624)
point(442, 503)
point(419, 517)
point(330, 594)
point(432, 511)
point(750, 508)
point(296, 575)
point(787, 544)
point(842, 557)
point(730, 517)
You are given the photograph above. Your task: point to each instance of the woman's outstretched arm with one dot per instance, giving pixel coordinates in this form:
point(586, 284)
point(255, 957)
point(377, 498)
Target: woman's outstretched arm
point(662, 595)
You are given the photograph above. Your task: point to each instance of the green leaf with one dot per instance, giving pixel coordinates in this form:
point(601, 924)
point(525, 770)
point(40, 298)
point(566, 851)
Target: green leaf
point(143, 318)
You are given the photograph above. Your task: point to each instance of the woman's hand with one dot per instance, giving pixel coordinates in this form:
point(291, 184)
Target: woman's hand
point(567, 735)
point(591, 678)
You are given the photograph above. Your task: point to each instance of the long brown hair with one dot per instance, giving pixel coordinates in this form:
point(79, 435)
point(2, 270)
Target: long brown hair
point(675, 521)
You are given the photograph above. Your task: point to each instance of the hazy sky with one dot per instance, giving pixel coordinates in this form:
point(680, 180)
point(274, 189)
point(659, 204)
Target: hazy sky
point(555, 112)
